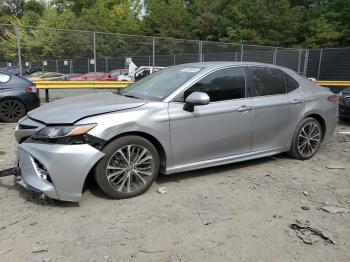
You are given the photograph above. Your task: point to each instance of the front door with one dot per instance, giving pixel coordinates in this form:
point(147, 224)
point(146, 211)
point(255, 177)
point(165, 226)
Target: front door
point(221, 128)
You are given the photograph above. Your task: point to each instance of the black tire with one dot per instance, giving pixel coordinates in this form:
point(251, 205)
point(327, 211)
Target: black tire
point(11, 110)
point(114, 160)
point(297, 142)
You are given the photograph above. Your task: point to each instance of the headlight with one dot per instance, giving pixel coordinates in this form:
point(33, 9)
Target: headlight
point(53, 132)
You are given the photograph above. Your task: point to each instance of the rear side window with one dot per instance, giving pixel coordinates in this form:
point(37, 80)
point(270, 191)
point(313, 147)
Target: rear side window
point(224, 84)
point(291, 84)
point(4, 78)
point(268, 81)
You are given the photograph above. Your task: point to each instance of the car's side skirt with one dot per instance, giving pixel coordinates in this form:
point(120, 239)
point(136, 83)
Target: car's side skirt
point(225, 160)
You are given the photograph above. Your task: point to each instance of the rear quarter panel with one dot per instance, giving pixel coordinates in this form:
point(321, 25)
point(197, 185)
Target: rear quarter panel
point(317, 103)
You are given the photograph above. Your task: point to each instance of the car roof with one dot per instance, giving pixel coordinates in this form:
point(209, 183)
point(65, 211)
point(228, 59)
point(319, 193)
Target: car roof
point(217, 64)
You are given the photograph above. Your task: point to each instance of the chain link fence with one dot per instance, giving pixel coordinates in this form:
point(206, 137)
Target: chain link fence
point(80, 52)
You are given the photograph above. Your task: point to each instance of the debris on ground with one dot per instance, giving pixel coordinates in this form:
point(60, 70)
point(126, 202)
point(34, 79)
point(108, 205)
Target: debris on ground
point(40, 247)
point(204, 216)
point(143, 250)
point(334, 209)
point(334, 166)
point(162, 190)
point(310, 234)
point(6, 251)
point(305, 207)
point(305, 193)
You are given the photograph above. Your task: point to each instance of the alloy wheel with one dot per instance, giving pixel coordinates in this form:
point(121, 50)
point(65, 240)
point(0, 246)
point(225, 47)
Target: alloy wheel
point(11, 110)
point(130, 168)
point(309, 139)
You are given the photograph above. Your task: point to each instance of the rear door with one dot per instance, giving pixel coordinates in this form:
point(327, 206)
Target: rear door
point(221, 128)
point(274, 117)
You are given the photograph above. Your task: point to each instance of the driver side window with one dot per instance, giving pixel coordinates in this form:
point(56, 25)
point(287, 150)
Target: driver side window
point(224, 84)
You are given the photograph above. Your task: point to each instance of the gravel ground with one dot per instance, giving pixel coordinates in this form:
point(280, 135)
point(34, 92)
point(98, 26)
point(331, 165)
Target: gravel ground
point(237, 212)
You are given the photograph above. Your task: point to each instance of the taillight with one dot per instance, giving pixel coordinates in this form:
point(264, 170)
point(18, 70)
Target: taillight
point(333, 99)
point(30, 89)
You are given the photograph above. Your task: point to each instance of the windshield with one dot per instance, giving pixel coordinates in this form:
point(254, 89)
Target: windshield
point(159, 85)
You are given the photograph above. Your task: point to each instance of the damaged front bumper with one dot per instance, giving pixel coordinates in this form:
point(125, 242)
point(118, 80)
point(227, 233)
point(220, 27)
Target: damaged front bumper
point(58, 171)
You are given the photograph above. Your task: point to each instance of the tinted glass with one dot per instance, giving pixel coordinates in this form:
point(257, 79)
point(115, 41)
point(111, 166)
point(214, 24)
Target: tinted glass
point(291, 84)
point(4, 78)
point(268, 81)
point(225, 84)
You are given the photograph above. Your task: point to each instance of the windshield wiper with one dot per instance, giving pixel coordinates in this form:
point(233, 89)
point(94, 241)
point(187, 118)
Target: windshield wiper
point(132, 96)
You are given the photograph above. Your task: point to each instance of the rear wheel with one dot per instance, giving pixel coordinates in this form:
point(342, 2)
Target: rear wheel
point(11, 110)
point(307, 139)
point(130, 166)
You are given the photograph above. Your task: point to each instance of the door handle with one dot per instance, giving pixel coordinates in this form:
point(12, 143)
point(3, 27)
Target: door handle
point(297, 101)
point(245, 108)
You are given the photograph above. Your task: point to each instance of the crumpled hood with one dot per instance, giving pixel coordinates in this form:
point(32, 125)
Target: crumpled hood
point(70, 110)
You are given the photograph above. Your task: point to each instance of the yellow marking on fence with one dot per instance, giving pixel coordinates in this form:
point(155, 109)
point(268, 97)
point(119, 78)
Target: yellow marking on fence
point(81, 84)
point(333, 83)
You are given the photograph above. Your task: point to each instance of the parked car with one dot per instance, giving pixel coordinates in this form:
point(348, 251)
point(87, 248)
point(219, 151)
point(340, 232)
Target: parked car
point(17, 97)
point(70, 76)
point(46, 76)
point(89, 76)
point(344, 104)
point(179, 119)
point(140, 73)
point(113, 75)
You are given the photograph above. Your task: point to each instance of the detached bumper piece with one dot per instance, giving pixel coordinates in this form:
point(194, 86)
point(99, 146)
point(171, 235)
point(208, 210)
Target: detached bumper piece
point(14, 171)
point(58, 171)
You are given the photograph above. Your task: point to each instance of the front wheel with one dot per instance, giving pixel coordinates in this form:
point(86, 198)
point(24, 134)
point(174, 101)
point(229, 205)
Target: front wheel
point(307, 139)
point(130, 166)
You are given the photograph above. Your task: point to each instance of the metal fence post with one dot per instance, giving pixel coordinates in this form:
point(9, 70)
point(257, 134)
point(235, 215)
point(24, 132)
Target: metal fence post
point(200, 51)
point(306, 61)
point(174, 59)
point(153, 53)
point(299, 62)
point(18, 37)
point(56, 66)
point(107, 65)
point(242, 48)
point(95, 62)
point(274, 58)
point(319, 64)
point(71, 66)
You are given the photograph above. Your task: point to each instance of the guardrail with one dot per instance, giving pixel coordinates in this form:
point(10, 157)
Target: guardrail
point(333, 83)
point(46, 85)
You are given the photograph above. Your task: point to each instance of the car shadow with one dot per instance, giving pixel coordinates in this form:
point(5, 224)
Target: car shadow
point(92, 187)
point(217, 170)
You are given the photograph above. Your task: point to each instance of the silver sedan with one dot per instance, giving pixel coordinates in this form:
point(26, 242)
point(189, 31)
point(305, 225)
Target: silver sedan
point(181, 118)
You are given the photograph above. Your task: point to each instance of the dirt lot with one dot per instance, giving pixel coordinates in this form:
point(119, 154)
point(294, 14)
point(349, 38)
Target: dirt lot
point(238, 212)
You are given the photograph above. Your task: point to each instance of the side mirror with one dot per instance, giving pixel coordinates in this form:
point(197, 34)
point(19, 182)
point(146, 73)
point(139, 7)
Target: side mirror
point(196, 99)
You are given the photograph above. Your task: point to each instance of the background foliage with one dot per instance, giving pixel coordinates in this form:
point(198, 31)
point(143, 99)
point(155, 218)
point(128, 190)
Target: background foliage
point(284, 23)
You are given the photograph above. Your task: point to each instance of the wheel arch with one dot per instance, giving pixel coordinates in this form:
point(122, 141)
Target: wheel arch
point(155, 142)
point(321, 120)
